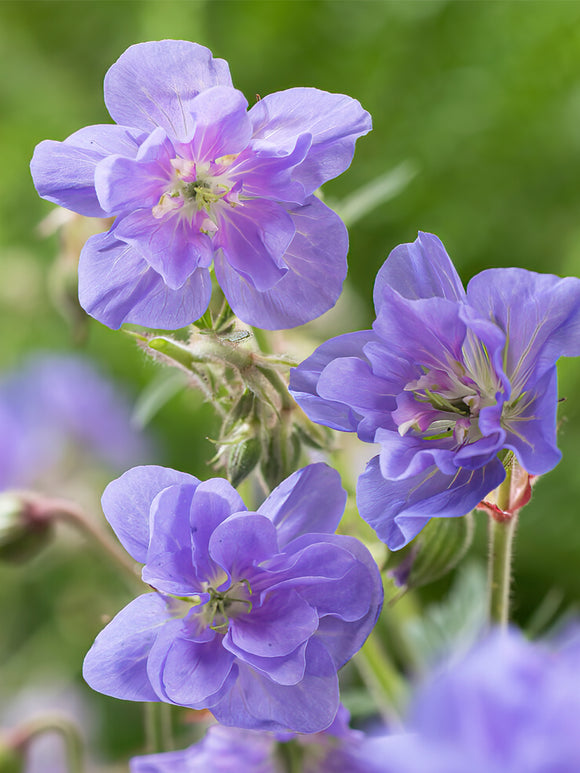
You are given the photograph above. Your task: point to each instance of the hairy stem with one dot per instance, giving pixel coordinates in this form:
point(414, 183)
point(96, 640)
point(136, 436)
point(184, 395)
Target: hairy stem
point(501, 534)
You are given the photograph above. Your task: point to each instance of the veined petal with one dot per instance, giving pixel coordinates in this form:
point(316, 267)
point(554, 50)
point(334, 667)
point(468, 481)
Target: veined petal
point(194, 672)
point(64, 172)
point(531, 426)
point(419, 269)
point(310, 500)
point(171, 245)
point(539, 313)
point(398, 509)
point(169, 566)
point(408, 456)
point(214, 501)
point(221, 122)
point(286, 669)
point(124, 184)
point(315, 270)
point(275, 628)
point(351, 380)
point(153, 84)
point(254, 236)
point(117, 285)
point(242, 541)
point(334, 121)
point(256, 702)
point(116, 664)
point(304, 381)
point(127, 504)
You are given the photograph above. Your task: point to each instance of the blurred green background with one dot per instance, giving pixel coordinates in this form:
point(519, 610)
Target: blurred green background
point(479, 100)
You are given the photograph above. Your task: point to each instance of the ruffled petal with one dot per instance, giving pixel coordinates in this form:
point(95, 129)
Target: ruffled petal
point(64, 172)
point(316, 268)
point(169, 566)
point(222, 126)
point(214, 501)
point(254, 237)
point(531, 430)
point(171, 245)
point(419, 269)
point(194, 672)
point(351, 380)
point(124, 184)
point(275, 628)
point(127, 504)
point(153, 84)
point(310, 500)
point(117, 285)
point(398, 510)
point(258, 703)
point(116, 664)
point(304, 381)
point(334, 122)
point(286, 669)
point(539, 313)
point(242, 541)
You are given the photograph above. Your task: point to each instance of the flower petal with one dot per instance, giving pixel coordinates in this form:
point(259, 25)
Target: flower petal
point(310, 500)
point(124, 184)
point(258, 703)
point(398, 510)
point(275, 628)
point(127, 504)
point(242, 541)
point(172, 245)
point(116, 664)
point(214, 501)
point(254, 237)
point(316, 268)
point(419, 269)
point(334, 121)
point(64, 172)
point(117, 285)
point(221, 122)
point(153, 84)
point(304, 381)
point(540, 314)
point(169, 566)
point(194, 672)
point(286, 669)
point(531, 433)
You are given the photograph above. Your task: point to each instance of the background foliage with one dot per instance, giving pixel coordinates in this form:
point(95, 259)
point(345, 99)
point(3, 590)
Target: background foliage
point(481, 103)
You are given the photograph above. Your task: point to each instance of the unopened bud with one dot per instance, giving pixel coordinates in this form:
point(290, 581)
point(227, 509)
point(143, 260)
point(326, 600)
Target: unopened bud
point(282, 455)
point(23, 532)
point(241, 459)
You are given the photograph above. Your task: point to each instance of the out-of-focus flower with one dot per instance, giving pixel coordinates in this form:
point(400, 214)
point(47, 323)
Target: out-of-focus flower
point(253, 612)
point(193, 177)
point(508, 706)
point(231, 750)
point(54, 401)
point(444, 382)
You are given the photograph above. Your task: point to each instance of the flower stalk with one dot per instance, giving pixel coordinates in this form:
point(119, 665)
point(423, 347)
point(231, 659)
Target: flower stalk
point(501, 535)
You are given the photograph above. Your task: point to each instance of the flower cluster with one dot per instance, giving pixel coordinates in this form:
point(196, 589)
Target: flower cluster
point(509, 705)
point(192, 177)
point(446, 381)
point(252, 614)
point(339, 749)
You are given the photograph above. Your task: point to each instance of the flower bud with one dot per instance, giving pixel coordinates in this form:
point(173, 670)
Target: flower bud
point(433, 553)
point(23, 532)
point(241, 458)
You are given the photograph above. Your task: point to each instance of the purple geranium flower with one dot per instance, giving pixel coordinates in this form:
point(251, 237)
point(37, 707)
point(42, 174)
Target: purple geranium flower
point(444, 381)
point(231, 750)
point(53, 402)
point(508, 706)
point(253, 612)
point(193, 177)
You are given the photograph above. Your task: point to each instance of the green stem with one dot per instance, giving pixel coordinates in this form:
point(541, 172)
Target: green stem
point(501, 534)
point(381, 678)
point(158, 728)
point(68, 512)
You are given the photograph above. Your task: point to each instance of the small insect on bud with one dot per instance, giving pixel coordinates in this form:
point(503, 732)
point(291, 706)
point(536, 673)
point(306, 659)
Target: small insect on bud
point(23, 530)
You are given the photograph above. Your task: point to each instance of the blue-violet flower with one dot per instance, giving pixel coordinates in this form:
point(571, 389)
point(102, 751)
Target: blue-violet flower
point(192, 177)
point(445, 380)
point(252, 614)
